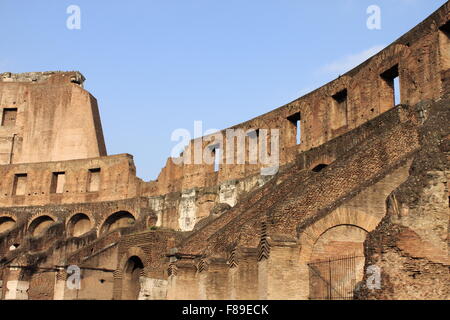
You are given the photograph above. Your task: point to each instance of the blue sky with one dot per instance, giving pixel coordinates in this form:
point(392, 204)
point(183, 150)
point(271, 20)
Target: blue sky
point(155, 66)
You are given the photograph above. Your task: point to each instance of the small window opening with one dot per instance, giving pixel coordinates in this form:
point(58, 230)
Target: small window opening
point(58, 181)
point(9, 117)
point(397, 90)
point(216, 159)
point(94, 180)
point(253, 144)
point(339, 111)
point(295, 121)
point(392, 79)
point(253, 134)
point(20, 183)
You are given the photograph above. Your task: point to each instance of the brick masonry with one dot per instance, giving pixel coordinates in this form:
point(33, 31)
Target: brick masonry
point(368, 184)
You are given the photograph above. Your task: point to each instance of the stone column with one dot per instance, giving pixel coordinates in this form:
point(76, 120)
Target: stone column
point(183, 280)
point(60, 284)
point(152, 289)
point(243, 274)
point(280, 275)
point(16, 289)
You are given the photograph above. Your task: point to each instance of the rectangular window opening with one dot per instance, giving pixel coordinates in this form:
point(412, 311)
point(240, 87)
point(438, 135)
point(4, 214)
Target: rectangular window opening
point(58, 181)
point(253, 144)
point(216, 152)
point(20, 183)
point(444, 45)
point(94, 180)
point(295, 121)
point(9, 117)
point(254, 134)
point(392, 79)
point(339, 113)
point(397, 90)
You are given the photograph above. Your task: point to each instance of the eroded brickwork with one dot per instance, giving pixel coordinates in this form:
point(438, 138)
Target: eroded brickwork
point(366, 187)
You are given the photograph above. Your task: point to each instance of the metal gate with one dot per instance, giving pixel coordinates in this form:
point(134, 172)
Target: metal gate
point(334, 279)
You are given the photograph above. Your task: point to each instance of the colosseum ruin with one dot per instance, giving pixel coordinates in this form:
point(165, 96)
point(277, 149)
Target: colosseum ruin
point(357, 207)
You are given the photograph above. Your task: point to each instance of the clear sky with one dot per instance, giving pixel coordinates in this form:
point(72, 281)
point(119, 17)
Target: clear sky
point(155, 66)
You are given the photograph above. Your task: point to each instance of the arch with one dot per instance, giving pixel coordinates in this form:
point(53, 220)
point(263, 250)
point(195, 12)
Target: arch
point(133, 251)
point(117, 220)
point(6, 223)
point(78, 225)
point(131, 278)
point(340, 216)
point(322, 233)
point(40, 224)
point(324, 159)
point(337, 262)
point(337, 241)
point(319, 167)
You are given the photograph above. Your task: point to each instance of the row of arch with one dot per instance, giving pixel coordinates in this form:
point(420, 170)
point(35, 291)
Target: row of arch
point(77, 225)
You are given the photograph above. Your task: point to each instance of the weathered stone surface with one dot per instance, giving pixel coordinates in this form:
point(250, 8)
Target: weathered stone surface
point(366, 190)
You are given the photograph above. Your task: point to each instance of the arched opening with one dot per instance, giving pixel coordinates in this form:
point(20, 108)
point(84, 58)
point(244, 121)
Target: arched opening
point(6, 223)
point(40, 225)
point(121, 219)
point(319, 167)
point(337, 263)
point(78, 225)
point(131, 274)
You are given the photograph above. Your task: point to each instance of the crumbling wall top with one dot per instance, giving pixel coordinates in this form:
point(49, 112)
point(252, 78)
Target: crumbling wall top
point(35, 77)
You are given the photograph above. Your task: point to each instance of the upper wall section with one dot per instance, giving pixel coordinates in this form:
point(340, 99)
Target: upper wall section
point(63, 182)
point(48, 116)
point(419, 60)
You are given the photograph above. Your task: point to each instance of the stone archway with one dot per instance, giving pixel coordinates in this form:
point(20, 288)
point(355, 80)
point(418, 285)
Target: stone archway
point(339, 235)
point(131, 278)
point(120, 219)
point(6, 223)
point(40, 224)
point(78, 225)
point(336, 264)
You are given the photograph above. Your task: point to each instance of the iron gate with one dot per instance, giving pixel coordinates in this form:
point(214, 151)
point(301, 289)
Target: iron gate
point(334, 279)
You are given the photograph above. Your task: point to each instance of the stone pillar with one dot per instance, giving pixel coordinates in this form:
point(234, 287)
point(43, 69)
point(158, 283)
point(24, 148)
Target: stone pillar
point(243, 274)
point(117, 287)
point(183, 280)
point(16, 289)
point(152, 289)
point(60, 284)
point(215, 284)
point(280, 276)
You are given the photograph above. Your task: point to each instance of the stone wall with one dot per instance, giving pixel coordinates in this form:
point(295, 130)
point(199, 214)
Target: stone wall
point(54, 118)
point(369, 179)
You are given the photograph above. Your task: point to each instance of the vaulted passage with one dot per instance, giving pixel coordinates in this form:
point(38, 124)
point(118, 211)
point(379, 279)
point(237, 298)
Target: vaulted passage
point(40, 225)
point(6, 223)
point(121, 219)
point(79, 224)
point(131, 274)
